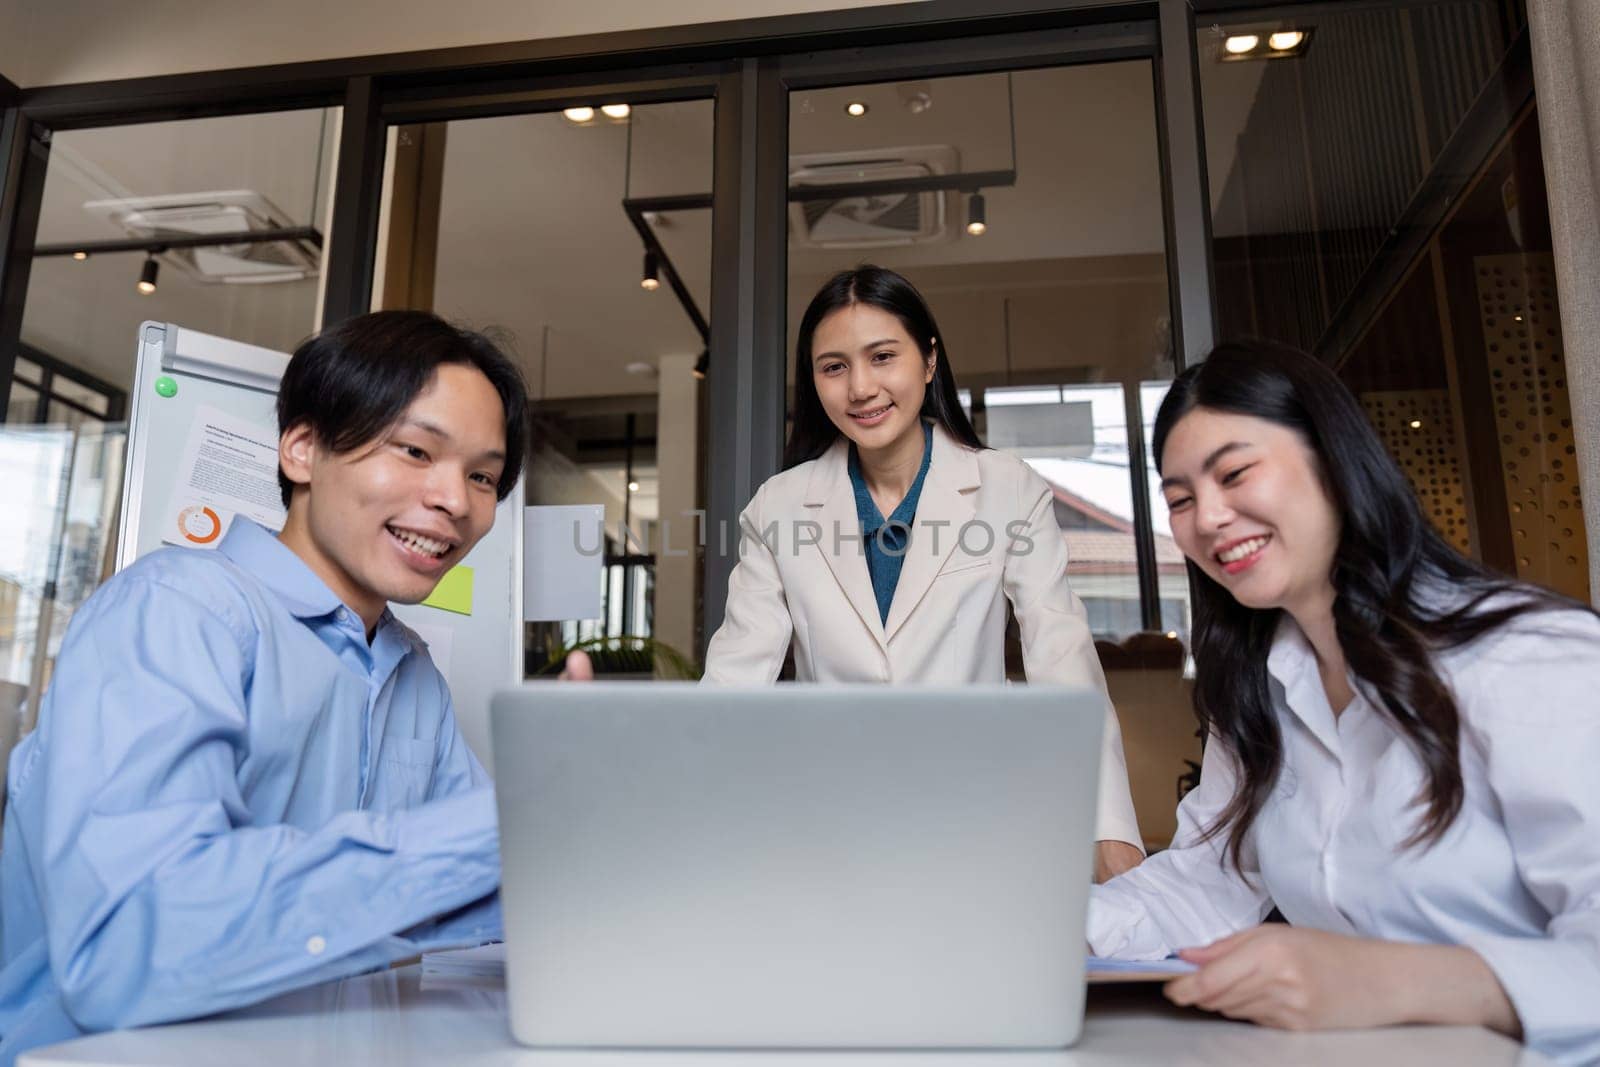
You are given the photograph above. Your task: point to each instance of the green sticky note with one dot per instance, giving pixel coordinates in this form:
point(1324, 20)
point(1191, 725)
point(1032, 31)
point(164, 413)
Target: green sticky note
point(166, 387)
point(454, 591)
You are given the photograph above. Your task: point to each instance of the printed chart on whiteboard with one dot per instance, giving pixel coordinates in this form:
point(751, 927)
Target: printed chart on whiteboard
point(229, 467)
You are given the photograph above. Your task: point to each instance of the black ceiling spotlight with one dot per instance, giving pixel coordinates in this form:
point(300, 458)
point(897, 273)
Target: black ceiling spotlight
point(147, 276)
point(652, 271)
point(977, 224)
point(702, 364)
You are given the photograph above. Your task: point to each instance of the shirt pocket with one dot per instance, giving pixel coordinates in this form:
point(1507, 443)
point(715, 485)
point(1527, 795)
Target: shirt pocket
point(405, 771)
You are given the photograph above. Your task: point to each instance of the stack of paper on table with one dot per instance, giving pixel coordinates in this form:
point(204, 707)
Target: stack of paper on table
point(485, 961)
point(1108, 970)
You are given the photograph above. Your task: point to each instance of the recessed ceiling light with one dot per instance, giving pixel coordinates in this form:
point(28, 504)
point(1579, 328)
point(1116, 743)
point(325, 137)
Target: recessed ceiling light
point(855, 109)
point(640, 367)
point(633, 487)
point(80, 256)
point(615, 111)
point(1241, 43)
point(579, 114)
point(1284, 40)
point(1416, 424)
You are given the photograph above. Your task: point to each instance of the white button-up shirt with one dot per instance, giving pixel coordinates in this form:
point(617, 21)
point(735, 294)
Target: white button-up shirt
point(1516, 877)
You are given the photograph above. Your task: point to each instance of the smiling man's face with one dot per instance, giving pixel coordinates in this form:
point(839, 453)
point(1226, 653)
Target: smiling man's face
point(383, 522)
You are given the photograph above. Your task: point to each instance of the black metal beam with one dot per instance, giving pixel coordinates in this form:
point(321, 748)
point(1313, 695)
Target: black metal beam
point(24, 155)
point(1186, 198)
point(745, 381)
point(358, 190)
point(968, 183)
point(552, 92)
point(322, 83)
point(1244, 11)
point(1144, 539)
point(636, 209)
point(653, 243)
point(159, 244)
point(1110, 34)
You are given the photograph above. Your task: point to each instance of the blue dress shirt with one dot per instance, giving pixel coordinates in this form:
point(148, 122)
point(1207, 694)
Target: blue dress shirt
point(887, 540)
point(231, 794)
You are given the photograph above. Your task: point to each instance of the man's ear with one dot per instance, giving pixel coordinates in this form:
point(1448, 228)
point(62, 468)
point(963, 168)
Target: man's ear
point(296, 449)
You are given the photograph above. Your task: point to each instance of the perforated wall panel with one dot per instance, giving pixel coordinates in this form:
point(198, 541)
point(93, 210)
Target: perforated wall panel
point(1533, 419)
point(1418, 431)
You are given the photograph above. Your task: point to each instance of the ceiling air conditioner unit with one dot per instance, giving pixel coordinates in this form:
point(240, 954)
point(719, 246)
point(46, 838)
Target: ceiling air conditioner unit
point(203, 214)
point(876, 220)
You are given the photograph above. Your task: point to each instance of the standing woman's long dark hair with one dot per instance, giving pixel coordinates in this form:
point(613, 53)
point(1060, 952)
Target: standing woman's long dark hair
point(1402, 594)
point(812, 431)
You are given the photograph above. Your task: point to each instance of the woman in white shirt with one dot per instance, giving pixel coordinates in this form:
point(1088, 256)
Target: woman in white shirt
point(890, 545)
point(1402, 746)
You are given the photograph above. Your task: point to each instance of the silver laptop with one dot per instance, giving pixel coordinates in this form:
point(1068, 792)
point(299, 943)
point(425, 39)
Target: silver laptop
point(795, 866)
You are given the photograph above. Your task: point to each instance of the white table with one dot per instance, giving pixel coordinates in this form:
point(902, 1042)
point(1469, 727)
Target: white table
point(400, 1018)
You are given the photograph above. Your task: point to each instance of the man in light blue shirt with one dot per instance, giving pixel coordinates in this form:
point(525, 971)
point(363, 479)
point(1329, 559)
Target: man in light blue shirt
point(247, 775)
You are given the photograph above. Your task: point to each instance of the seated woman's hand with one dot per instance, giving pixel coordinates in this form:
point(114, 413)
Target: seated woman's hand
point(1296, 978)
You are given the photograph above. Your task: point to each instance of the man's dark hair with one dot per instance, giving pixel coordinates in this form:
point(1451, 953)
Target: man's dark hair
point(351, 383)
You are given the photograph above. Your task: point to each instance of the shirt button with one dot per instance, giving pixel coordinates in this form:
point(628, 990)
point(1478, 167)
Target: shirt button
point(316, 944)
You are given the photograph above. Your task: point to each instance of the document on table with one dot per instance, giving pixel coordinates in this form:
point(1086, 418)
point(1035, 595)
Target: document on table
point(484, 961)
point(1107, 970)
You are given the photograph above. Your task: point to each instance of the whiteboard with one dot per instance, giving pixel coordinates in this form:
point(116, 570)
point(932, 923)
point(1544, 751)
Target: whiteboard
point(212, 377)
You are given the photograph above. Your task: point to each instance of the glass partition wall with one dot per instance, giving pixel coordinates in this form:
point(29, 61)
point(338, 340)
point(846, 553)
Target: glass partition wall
point(581, 238)
point(213, 223)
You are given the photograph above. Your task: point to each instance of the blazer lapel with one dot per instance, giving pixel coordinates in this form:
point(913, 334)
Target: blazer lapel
point(831, 503)
point(945, 505)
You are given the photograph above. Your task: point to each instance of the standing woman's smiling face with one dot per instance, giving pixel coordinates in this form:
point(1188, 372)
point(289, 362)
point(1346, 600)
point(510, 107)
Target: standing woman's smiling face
point(1249, 506)
point(870, 375)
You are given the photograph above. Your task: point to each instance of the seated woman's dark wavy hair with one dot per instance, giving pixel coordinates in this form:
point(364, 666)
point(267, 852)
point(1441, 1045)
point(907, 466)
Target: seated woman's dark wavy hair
point(812, 432)
point(1402, 594)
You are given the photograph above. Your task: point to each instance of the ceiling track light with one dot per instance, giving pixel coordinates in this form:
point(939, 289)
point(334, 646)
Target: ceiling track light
point(977, 221)
point(651, 280)
point(1279, 44)
point(147, 274)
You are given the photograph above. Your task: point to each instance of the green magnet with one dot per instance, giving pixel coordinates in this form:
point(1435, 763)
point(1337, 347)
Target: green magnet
point(166, 387)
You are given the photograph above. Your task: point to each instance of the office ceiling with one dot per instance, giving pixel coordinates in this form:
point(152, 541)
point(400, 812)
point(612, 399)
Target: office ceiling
point(533, 238)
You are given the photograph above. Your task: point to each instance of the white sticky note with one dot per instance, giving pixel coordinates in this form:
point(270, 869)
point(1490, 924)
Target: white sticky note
point(563, 550)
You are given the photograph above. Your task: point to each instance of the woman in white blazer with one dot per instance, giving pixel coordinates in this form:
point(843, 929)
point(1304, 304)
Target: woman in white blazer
point(888, 548)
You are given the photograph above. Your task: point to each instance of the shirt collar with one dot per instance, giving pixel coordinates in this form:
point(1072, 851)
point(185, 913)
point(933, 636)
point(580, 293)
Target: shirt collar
point(1292, 663)
point(255, 549)
point(867, 509)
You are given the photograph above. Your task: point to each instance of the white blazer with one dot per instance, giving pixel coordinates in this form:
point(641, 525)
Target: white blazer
point(985, 532)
